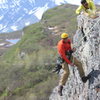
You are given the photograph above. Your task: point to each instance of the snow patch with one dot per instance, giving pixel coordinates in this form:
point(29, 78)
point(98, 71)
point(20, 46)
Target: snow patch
point(1, 44)
point(40, 10)
point(5, 30)
point(3, 1)
point(14, 28)
point(1, 26)
point(31, 12)
point(1, 17)
point(27, 23)
point(75, 2)
point(59, 2)
point(32, 1)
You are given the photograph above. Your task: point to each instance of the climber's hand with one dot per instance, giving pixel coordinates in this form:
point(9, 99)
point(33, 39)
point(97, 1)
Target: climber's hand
point(94, 17)
point(74, 49)
point(72, 64)
point(86, 14)
point(81, 13)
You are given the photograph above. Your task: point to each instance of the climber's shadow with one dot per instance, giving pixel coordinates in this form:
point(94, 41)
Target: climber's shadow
point(93, 75)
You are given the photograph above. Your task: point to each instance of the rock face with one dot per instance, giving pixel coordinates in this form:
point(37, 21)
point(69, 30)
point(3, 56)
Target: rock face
point(88, 52)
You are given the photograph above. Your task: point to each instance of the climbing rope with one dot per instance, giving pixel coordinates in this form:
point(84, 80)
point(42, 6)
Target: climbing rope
point(86, 35)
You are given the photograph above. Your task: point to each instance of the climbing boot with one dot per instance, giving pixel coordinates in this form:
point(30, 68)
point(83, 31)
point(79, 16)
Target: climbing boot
point(85, 78)
point(60, 90)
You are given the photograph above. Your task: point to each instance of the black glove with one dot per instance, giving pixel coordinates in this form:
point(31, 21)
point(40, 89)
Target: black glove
point(57, 68)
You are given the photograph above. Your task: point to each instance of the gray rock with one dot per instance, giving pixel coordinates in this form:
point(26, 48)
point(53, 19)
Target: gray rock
point(89, 54)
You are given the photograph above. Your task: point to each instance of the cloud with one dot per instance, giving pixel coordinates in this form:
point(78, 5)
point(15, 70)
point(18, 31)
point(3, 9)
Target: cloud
point(40, 10)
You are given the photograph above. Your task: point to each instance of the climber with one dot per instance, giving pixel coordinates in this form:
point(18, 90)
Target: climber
point(63, 47)
point(88, 8)
point(59, 62)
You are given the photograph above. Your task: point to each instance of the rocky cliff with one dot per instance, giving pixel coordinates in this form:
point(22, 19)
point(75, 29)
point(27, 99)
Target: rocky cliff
point(87, 41)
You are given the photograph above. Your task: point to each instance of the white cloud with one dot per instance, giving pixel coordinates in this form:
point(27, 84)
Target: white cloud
point(14, 28)
point(27, 23)
point(40, 10)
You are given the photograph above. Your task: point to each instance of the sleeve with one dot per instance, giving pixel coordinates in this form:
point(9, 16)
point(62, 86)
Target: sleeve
point(93, 7)
point(69, 41)
point(78, 10)
point(62, 53)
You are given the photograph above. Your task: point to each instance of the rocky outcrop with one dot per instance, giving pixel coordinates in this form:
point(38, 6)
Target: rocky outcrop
point(87, 41)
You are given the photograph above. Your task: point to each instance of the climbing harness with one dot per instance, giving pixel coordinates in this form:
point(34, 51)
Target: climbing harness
point(58, 65)
point(60, 61)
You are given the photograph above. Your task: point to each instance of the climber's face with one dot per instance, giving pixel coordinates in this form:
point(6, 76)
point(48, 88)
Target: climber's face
point(65, 40)
point(85, 5)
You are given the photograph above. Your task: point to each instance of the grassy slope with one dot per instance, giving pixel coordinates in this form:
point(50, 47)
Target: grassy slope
point(63, 17)
point(28, 76)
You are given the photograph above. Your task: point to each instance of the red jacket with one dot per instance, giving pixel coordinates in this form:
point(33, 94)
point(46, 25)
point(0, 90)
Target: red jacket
point(63, 47)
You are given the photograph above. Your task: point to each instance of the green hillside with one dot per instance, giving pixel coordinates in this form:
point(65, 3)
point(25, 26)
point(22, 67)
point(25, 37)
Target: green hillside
point(26, 69)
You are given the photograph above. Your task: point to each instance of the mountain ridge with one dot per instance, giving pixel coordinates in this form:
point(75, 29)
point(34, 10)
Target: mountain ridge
point(16, 14)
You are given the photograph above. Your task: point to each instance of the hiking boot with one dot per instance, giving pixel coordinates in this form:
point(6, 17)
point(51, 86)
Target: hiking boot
point(60, 90)
point(85, 78)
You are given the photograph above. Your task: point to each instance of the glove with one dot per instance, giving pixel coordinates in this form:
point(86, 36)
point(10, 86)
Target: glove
point(57, 68)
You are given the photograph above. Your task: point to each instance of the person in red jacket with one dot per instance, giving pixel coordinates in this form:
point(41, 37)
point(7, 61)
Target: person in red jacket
point(64, 47)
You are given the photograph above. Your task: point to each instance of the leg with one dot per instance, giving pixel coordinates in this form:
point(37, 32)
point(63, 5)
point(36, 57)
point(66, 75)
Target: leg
point(81, 70)
point(79, 66)
point(63, 78)
point(65, 74)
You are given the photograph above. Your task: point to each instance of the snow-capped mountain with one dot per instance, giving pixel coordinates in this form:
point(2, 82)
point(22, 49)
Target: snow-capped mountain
point(16, 14)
